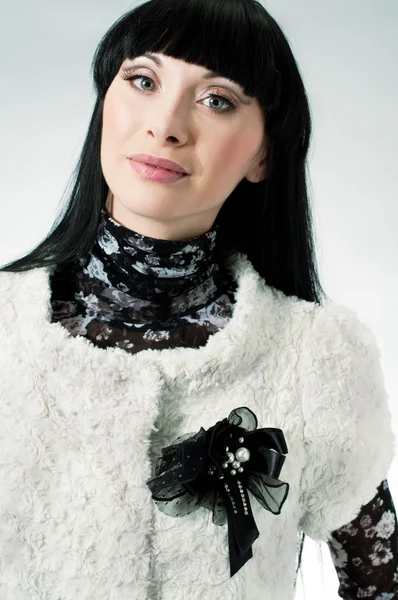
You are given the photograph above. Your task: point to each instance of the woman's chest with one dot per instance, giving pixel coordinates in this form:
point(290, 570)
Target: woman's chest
point(78, 444)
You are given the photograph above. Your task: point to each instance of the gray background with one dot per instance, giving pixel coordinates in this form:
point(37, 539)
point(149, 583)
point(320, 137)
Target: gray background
point(347, 52)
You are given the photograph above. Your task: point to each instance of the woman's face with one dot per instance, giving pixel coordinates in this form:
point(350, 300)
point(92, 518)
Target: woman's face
point(168, 112)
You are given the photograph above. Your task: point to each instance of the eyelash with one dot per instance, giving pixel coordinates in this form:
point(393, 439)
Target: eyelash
point(233, 105)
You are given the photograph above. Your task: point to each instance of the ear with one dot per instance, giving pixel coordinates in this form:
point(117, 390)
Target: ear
point(109, 202)
point(259, 171)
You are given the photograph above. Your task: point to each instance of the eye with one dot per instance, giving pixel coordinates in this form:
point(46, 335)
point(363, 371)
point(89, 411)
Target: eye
point(232, 104)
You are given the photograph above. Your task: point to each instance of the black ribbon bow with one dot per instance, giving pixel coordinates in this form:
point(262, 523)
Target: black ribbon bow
point(215, 468)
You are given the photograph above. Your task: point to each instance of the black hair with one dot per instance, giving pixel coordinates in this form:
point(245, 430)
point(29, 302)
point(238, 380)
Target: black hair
point(270, 221)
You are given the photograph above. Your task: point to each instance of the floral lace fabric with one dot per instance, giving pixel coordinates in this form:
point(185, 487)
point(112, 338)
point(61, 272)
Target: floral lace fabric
point(137, 292)
point(365, 551)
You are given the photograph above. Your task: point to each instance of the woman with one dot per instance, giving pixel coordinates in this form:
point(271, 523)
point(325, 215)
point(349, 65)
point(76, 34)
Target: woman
point(177, 403)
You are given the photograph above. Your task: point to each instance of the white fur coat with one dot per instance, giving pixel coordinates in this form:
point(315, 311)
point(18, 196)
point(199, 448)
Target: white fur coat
point(81, 428)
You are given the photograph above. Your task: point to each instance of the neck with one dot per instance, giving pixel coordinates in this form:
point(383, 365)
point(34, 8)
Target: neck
point(150, 268)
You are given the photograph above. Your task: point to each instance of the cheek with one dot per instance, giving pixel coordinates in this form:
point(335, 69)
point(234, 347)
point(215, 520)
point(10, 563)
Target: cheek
point(234, 153)
point(116, 122)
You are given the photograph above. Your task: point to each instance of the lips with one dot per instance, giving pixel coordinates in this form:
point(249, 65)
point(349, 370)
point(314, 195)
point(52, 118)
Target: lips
point(155, 167)
point(162, 163)
point(156, 174)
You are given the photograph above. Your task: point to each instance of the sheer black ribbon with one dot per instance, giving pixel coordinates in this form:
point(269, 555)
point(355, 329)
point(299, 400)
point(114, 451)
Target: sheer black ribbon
point(192, 472)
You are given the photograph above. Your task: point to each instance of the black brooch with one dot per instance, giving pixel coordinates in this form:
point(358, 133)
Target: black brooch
point(215, 468)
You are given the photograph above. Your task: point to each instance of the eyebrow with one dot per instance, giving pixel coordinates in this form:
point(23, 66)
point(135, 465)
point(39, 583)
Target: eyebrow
point(207, 75)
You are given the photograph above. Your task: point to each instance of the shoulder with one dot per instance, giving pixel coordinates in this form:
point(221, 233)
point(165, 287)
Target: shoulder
point(13, 283)
point(340, 357)
point(7, 280)
point(9, 286)
point(335, 334)
point(18, 292)
point(8, 307)
point(341, 379)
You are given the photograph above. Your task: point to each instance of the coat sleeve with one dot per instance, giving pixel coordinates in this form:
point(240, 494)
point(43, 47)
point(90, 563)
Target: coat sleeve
point(349, 443)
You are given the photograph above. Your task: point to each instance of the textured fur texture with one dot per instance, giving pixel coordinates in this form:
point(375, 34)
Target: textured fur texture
point(81, 428)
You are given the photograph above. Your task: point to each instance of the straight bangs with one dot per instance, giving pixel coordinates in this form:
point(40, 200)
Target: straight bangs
point(229, 37)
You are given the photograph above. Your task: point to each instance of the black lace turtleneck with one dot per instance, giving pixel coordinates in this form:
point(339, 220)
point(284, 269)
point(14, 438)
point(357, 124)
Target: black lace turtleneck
point(137, 292)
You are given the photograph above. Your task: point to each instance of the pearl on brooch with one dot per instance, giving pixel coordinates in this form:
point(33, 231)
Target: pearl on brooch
point(236, 464)
point(241, 440)
point(230, 457)
point(233, 472)
point(242, 454)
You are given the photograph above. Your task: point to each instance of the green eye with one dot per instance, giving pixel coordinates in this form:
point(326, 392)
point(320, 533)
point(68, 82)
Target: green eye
point(232, 105)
